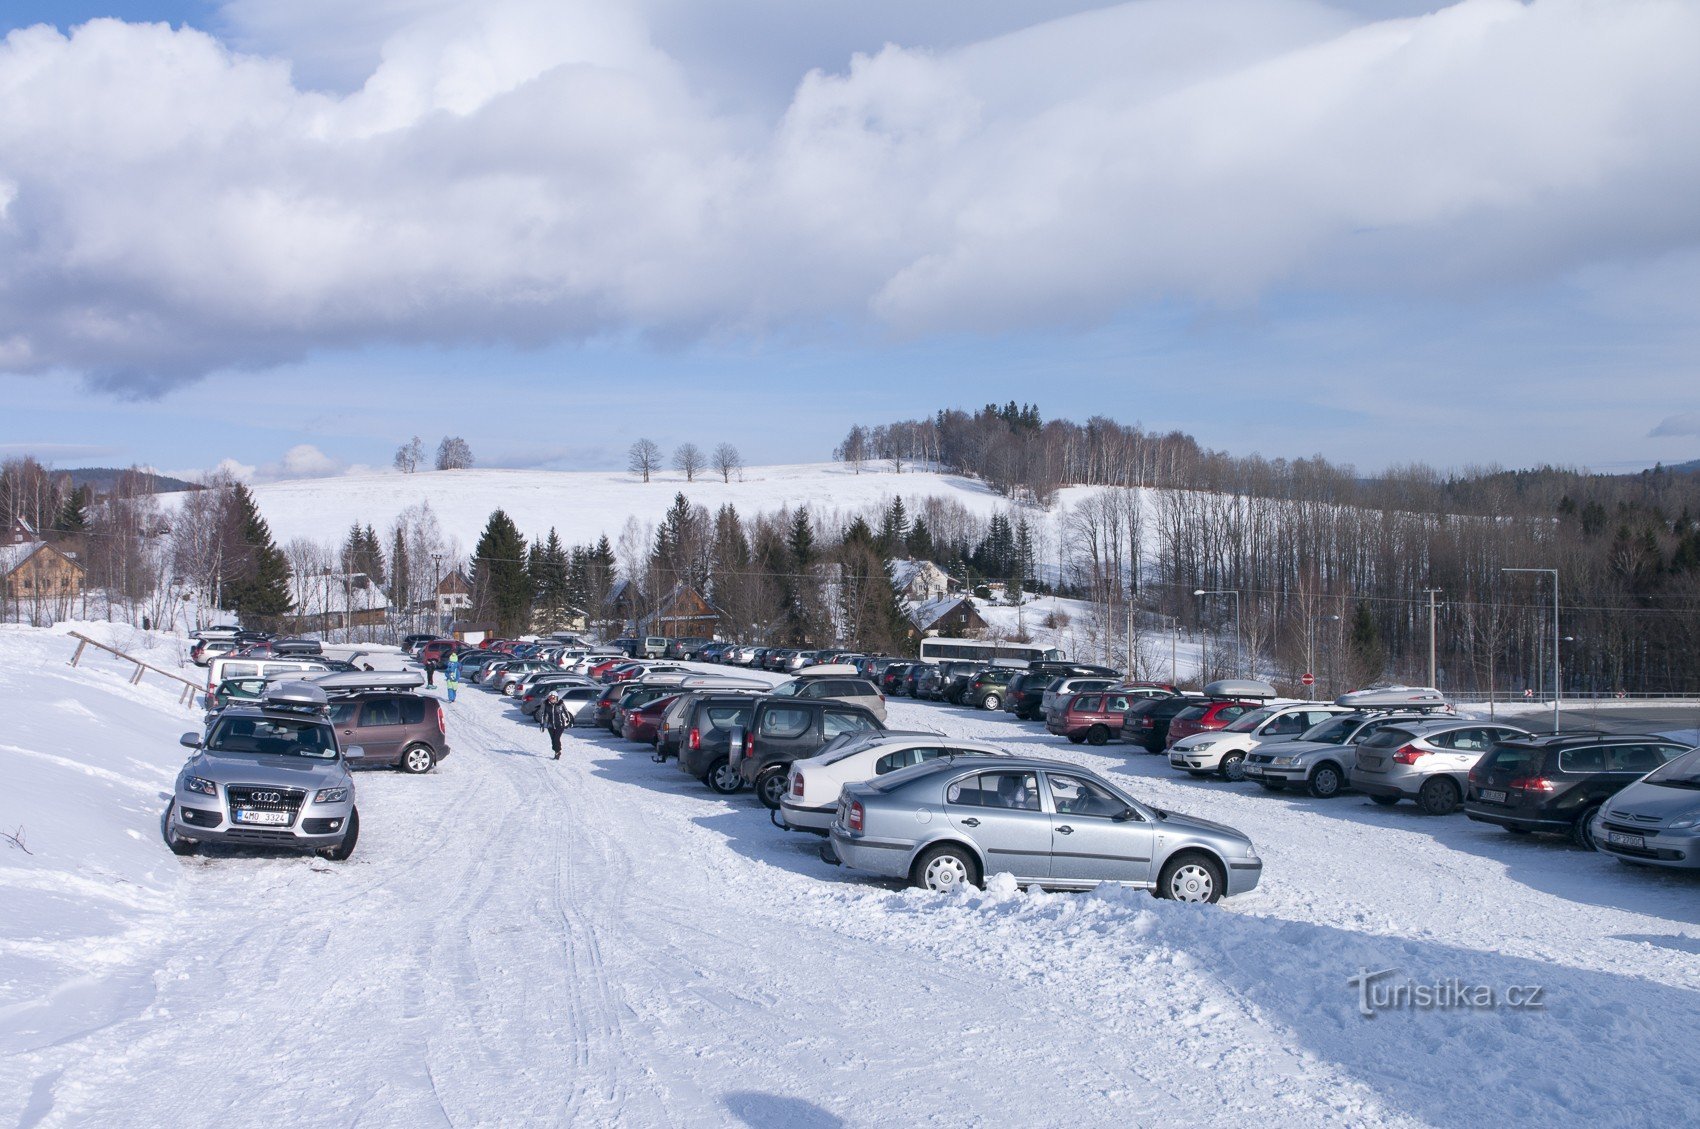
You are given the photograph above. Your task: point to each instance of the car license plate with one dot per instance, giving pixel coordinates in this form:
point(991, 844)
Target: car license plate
point(1253, 770)
point(1623, 840)
point(1493, 797)
point(276, 817)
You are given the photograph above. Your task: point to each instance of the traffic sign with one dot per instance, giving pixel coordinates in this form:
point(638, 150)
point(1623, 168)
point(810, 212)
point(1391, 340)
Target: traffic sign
point(1307, 680)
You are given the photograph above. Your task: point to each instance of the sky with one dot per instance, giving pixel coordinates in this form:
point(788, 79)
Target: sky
point(293, 233)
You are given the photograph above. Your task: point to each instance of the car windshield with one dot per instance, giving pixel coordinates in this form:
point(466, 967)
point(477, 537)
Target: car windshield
point(1332, 732)
point(1683, 772)
point(1252, 720)
point(273, 736)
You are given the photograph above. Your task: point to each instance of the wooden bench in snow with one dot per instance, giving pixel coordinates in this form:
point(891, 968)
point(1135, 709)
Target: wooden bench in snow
point(190, 689)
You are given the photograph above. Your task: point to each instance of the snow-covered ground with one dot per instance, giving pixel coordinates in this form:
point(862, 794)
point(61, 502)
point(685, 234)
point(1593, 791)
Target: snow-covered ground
point(600, 940)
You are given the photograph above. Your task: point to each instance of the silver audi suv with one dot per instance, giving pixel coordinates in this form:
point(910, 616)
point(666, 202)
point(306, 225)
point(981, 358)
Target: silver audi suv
point(269, 775)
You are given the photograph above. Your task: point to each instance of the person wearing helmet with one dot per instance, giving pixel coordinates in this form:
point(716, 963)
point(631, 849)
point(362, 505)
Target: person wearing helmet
point(555, 717)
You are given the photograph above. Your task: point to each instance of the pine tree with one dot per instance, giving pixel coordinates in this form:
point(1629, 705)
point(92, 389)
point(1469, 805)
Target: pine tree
point(894, 529)
point(400, 573)
point(801, 541)
point(554, 600)
point(921, 541)
point(73, 516)
point(256, 585)
point(501, 586)
point(1021, 572)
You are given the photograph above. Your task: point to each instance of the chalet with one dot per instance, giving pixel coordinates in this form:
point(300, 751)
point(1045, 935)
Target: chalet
point(921, 581)
point(623, 603)
point(35, 570)
point(545, 620)
point(952, 616)
point(681, 613)
point(326, 601)
point(454, 594)
point(20, 532)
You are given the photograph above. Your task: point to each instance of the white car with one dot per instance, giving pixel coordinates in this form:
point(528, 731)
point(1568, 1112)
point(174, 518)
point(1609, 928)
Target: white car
point(811, 791)
point(1223, 751)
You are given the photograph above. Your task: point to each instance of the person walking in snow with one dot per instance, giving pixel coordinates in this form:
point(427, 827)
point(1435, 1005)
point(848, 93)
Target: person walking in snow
point(555, 717)
point(452, 670)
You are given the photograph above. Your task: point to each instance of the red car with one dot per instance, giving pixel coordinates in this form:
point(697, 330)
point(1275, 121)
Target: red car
point(1217, 713)
point(644, 723)
point(1095, 716)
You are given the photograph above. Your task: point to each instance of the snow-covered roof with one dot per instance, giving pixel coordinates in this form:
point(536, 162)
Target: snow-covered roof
point(336, 594)
point(11, 556)
point(931, 611)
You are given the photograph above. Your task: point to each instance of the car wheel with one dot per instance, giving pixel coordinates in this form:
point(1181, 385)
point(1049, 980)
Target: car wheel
point(943, 869)
point(178, 844)
point(1438, 796)
point(1097, 735)
point(770, 787)
point(1582, 832)
point(1325, 782)
point(1384, 801)
point(1232, 767)
point(1274, 785)
point(351, 836)
point(1191, 878)
point(416, 759)
point(991, 702)
point(1076, 738)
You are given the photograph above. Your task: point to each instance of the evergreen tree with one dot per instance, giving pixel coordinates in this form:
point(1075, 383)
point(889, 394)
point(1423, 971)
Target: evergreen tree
point(256, 585)
point(1021, 572)
point(801, 589)
point(554, 598)
point(801, 542)
point(894, 529)
point(921, 541)
point(501, 586)
point(401, 572)
point(73, 516)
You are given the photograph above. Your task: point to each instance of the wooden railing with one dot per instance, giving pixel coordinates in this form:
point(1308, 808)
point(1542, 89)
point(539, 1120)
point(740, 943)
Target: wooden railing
point(190, 689)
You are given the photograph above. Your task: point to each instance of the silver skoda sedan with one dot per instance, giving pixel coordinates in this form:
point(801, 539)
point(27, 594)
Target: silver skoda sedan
point(955, 820)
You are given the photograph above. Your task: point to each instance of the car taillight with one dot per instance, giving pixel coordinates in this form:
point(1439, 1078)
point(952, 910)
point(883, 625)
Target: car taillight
point(442, 722)
point(1409, 755)
point(1147, 723)
point(797, 785)
point(749, 744)
point(695, 739)
point(853, 820)
point(1533, 784)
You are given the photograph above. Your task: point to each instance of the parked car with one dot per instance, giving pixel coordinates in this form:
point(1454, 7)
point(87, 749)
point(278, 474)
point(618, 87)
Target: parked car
point(270, 774)
point(1655, 820)
point(953, 678)
point(225, 667)
point(986, 688)
point(1203, 716)
point(1093, 716)
point(923, 681)
point(1057, 693)
point(1025, 695)
point(576, 696)
point(1557, 784)
point(705, 747)
point(953, 820)
point(396, 728)
point(1223, 751)
point(783, 730)
point(250, 689)
point(813, 785)
point(1147, 722)
point(685, 646)
point(635, 697)
point(1321, 758)
point(891, 678)
point(1428, 761)
point(203, 651)
point(643, 723)
point(856, 691)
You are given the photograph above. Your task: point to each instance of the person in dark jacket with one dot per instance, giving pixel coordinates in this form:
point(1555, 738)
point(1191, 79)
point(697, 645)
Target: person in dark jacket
point(555, 717)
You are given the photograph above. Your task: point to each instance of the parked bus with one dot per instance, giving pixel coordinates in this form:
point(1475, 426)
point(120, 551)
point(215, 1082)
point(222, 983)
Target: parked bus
point(981, 650)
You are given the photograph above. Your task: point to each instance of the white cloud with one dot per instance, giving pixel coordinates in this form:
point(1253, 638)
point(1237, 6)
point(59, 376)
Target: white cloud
point(534, 170)
point(1682, 424)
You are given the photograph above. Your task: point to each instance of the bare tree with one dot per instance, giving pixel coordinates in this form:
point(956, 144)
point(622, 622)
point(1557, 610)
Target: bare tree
point(643, 458)
point(727, 460)
point(688, 458)
point(854, 450)
point(453, 453)
point(410, 455)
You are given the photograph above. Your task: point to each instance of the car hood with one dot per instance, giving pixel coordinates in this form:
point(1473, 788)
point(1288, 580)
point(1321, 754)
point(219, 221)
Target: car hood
point(1655, 800)
point(283, 772)
point(1299, 748)
point(1213, 736)
point(1193, 823)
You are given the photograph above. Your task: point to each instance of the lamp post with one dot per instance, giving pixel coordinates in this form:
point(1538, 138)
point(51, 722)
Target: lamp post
point(1553, 572)
point(436, 593)
point(1310, 652)
point(1236, 595)
point(1432, 593)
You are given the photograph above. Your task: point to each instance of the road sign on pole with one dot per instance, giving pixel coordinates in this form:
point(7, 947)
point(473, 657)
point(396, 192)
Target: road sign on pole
point(1307, 680)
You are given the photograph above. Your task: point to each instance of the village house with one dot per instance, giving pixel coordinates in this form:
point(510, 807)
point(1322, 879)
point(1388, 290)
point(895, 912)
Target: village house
point(35, 570)
point(454, 594)
point(329, 601)
point(921, 581)
point(680, 614)
point(952, 616)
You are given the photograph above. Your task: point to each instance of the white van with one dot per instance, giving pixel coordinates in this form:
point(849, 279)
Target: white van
point(221, 668)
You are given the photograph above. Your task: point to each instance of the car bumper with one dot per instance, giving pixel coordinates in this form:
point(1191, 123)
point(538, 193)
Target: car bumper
point(1243, 874)
point(1676, 850)
point(884, 857)
point(800, 818)
point(319, 817)
point(1384, 784)
point(1194, 761)
point(1287, 774)
point(1510, 817)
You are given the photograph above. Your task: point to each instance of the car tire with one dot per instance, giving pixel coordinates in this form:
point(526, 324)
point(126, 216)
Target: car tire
point(770, 787)
point(1274, 785)
point(1191, 878)
point(416, 759)
point(1231, 767)
point(179, 845)
point(991, 702)
point(1076, 738)
point(1438, 796)
point(1581, 832)
point(1098, 735)
point(943, 869)
point(1384, 801)
point(1325, 783)
point(351, 836)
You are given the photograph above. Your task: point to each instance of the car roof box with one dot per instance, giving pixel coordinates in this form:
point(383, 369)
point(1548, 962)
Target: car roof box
point(304, 696)
point(1393, 698)
point(355, 681)
point(828, 670)
point(1239, 688)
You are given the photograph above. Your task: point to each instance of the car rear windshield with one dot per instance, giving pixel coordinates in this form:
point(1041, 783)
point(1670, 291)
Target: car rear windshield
point(1521, 760)
point(1192, 713)
point(1683, 772)
point(1389, 738)
point(269, 736)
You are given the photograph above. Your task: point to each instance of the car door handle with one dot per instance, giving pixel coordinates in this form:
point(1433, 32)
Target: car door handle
point(970, 822)
point(1065, 829)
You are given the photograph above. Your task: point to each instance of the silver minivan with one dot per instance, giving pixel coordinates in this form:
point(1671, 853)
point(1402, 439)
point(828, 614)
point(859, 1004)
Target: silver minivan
point(1655, 820)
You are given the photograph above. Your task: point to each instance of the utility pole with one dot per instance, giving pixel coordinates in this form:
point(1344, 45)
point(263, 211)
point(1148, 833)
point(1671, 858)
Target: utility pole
point(1553, 572)
point(436, 593)
point(1432, 592)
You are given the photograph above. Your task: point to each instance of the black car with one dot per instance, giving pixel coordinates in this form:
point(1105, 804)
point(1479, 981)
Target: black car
point(1555, 784)
point(783, 730)
point(891, 678)
point(705, 745)
point(986, 688)
point(954, 677)
point(1025, 695)
point(1147, 723)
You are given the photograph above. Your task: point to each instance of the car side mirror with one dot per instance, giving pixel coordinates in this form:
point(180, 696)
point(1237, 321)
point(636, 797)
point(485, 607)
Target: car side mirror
point(190, 740)
point(354, 752)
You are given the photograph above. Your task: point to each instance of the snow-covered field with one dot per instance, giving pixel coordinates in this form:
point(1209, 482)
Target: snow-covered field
point(600, 940)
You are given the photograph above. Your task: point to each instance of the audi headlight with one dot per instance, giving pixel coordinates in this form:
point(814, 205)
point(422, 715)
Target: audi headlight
point(196, 784)
point(330, 795)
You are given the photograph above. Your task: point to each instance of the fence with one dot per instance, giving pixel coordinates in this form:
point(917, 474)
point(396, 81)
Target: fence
point(190, 689)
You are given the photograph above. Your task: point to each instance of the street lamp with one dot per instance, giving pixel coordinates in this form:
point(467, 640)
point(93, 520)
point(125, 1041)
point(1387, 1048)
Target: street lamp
point(1235, 594)
point(1556, 693)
